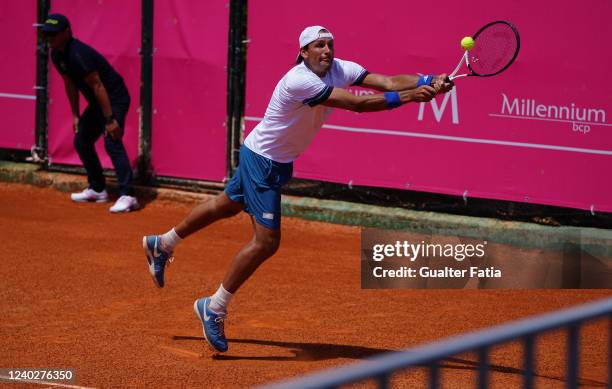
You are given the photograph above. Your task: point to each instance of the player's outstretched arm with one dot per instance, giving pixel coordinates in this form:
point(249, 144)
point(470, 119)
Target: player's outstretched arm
point(341, 98)
point(384, 83)
point(405, 81)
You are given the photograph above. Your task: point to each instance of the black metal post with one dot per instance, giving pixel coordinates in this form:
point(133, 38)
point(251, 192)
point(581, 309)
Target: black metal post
point(383, 381)
point(235, 81)
point(529, 364)
point(573, 358)
point(146, 93)
point(42, 71)
point(434, 375)
point(483, 368)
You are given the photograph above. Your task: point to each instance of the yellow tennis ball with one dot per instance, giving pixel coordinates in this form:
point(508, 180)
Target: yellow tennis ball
point(467, 43)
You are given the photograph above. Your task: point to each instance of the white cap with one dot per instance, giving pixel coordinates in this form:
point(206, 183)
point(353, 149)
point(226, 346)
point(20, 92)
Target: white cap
point(311, 34)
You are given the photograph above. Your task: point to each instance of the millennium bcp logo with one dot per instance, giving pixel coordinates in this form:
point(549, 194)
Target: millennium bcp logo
point(580, 118)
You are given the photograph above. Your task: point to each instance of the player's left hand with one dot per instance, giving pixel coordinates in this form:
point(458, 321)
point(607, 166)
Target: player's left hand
point(112, 129)
point(441, 84)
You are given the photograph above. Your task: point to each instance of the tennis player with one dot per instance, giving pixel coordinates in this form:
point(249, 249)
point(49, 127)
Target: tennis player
point(301, 101)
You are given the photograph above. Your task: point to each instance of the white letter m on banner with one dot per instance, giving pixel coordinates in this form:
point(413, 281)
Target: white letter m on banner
point(438, 111)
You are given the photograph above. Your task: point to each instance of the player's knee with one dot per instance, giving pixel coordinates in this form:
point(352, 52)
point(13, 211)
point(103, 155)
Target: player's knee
point(268, 245)
point(273, 246)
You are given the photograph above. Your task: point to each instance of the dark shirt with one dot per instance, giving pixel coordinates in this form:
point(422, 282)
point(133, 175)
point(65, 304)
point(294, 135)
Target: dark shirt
point(79, 60)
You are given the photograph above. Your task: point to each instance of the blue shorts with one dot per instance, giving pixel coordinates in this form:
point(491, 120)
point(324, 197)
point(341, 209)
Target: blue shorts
point(257, 184)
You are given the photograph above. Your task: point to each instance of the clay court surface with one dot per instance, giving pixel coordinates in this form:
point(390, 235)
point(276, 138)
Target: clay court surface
point(76, 293)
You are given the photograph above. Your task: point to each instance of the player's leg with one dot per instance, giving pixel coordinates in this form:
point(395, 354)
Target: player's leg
point(219, 207)
point(226, 204)
point(89, 130)
point(264, 244)
point(212, 310)
point(263, 179)
point(159, 248)
point(263, 201)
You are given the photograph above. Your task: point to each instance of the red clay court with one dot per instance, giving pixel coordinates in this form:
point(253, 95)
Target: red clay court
point(76, 293)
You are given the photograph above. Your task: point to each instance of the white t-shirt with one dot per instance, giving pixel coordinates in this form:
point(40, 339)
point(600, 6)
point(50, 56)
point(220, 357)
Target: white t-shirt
point(294, 115)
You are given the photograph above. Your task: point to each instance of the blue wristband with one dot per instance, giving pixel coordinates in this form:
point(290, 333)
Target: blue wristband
point(425, 80)
point(393, 100)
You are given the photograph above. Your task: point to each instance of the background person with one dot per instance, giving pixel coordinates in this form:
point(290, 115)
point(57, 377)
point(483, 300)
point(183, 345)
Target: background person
point(84, 70)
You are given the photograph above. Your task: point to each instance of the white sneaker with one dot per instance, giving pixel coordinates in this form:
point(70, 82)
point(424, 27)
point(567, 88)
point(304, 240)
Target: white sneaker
point(125, 204)
point(90, 195)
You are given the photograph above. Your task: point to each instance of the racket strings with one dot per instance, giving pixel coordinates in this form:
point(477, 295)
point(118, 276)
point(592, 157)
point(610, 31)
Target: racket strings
point(496, 47)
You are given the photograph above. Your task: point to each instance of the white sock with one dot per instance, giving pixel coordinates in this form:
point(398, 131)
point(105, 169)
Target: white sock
point(220, 300)
point(169, 240)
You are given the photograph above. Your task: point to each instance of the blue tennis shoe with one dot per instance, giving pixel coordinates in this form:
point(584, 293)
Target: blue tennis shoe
point(212, 324)
point(157, 258)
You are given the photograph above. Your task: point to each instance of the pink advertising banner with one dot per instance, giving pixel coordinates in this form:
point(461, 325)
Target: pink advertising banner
point(189, 89)
point(539, 133)
point(111, 27)
point(18, 69)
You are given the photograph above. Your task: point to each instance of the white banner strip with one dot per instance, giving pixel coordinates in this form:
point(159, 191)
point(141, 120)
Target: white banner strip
point(457, 138)
point(16, 96)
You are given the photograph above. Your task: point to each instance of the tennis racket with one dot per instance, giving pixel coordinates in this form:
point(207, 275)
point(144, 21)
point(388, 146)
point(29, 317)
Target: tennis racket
point(496, 46)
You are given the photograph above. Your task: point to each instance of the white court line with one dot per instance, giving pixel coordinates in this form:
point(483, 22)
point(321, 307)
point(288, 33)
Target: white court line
point(456, 138)
point(40, 382)
point(549, 120)
point(16, 96)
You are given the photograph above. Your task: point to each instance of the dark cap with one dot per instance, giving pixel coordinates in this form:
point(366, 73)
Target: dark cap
point(55, 23)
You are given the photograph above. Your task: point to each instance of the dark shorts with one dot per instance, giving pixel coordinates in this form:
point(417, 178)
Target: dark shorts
point(257, 184)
